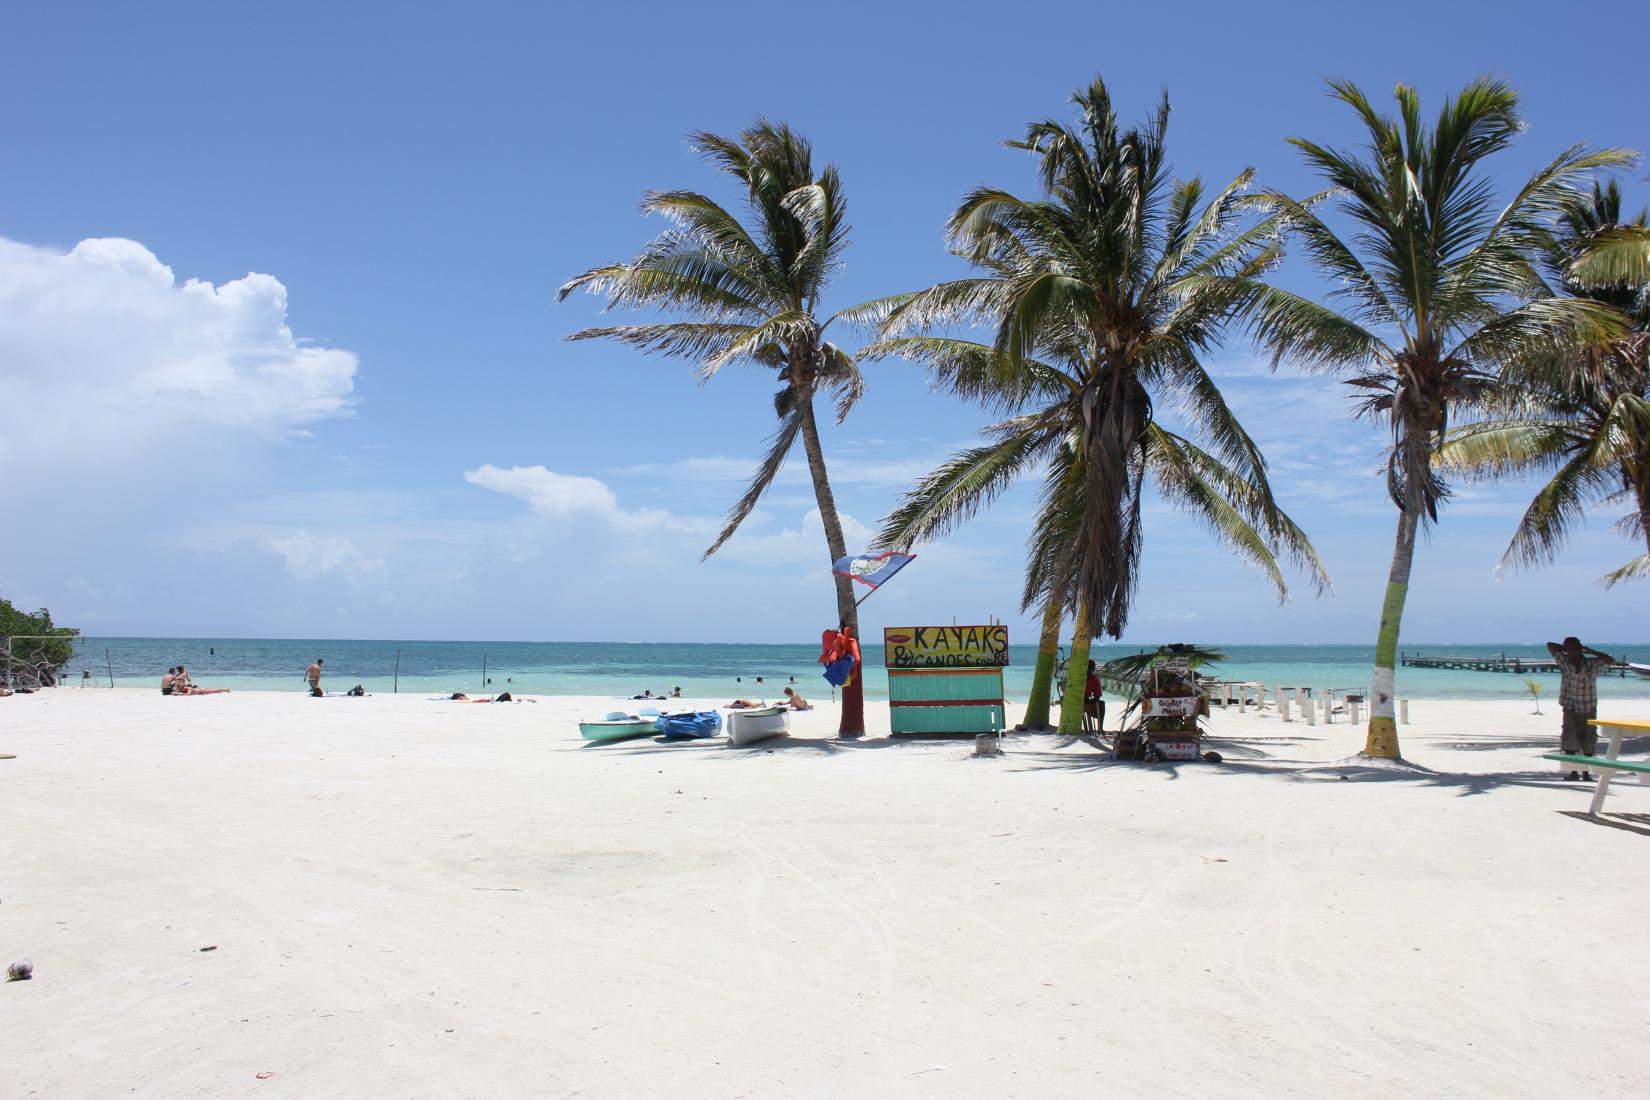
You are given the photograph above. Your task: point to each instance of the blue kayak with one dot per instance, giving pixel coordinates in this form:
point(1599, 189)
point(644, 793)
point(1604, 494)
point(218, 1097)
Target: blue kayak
point(690, 725)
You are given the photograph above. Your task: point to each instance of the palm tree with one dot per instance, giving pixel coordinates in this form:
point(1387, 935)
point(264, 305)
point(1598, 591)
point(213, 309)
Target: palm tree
point(1443, 292)
point(1584, 414)
point(1104, 293)
point(752, 293)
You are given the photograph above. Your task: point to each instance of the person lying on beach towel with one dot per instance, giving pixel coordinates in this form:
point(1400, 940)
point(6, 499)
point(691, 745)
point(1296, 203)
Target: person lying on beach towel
point(795, 700)
point(745, 704)
point(460, 697)
point(183, 685)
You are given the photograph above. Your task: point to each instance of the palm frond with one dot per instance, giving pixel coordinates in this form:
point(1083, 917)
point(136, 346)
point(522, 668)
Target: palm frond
point(1296, 329)
point(975, 371)
point(1617, 255)
point(958, 488)
point(1239, 511)
point(1490, 449)
point(1637, 569)
point(779, 447)
point(839, 375)
point(1559, 505)
point(677, 339)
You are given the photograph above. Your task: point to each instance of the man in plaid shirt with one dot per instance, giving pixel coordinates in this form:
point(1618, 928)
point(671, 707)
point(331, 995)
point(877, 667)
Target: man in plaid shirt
point(1578, 667)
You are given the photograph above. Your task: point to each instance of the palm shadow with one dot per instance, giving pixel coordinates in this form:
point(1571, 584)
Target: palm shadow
point(1631, 823)
point(1629, 745)
point(1261, 765)
point(700, 746)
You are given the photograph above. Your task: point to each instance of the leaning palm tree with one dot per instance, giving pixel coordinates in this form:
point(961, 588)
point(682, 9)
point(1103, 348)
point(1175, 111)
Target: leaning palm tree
point(752, 293)
point(1583, 414)
point(1104, 293)
point(1442, 290)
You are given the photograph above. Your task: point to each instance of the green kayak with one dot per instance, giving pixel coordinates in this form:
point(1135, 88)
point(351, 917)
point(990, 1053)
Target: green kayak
point(619, 729)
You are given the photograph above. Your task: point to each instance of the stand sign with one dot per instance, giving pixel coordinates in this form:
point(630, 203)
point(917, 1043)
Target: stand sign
point(945, 680)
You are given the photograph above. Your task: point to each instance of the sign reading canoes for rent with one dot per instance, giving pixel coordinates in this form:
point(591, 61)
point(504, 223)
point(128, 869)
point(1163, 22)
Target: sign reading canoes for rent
point(945, 646)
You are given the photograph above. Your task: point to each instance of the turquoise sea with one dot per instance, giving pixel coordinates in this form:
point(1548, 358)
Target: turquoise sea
point(716, 670)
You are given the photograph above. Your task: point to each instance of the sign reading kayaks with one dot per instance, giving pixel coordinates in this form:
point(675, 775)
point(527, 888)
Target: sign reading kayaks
point(945, 646)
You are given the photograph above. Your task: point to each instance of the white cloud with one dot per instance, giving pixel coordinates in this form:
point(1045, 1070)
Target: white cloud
point(570, 498)
point(117, 362)
point(310, 556)
point(557, 496)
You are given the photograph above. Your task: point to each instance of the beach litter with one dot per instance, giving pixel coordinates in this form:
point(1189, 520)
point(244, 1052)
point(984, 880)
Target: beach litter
point(210, 947)
point(266, 1075)
point(20, 971)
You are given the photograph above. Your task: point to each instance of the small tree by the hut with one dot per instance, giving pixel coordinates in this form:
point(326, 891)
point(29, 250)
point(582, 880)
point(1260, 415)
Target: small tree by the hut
point(1533, 689)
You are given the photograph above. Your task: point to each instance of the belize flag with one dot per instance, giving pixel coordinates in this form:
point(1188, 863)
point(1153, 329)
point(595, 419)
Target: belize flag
point(872, 569)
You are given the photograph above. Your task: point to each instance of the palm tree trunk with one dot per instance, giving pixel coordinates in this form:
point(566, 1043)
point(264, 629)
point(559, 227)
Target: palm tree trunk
point(1381, 741)
point(853, 693)
point(1042, 680)
point(1077, 673)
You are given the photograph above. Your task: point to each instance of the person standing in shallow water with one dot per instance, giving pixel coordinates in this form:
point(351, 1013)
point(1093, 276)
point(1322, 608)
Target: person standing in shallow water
point(1578, 667)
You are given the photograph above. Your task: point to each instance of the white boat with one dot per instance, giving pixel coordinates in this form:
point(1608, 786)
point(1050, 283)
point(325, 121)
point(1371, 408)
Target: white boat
point(754, 724)
point(1642, 670)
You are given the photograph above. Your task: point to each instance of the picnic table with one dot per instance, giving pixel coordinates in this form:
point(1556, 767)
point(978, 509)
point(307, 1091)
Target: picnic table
point(1607, 764)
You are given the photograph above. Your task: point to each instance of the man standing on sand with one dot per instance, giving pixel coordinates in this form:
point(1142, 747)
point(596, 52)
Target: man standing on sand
point(313, 675)
point(1578, 667)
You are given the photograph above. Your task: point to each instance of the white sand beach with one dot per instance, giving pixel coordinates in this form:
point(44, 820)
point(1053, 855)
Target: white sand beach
point(418, 899)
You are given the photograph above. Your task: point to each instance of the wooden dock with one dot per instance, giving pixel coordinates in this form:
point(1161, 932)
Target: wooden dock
point(1501, 663)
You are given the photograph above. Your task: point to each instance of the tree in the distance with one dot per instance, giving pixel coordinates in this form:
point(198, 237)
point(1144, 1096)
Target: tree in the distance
point(1582, 415)
point(1442, 294)
point(752, 291)
point(1104, 292)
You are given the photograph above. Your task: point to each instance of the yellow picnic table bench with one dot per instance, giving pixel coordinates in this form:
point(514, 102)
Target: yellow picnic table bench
point(1607, 764)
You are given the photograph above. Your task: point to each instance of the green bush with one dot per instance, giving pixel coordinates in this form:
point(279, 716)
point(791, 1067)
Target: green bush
point(55, 651)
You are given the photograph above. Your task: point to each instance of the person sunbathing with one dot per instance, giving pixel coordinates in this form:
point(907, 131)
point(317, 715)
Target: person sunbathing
point(183, 685)
point(745, 704)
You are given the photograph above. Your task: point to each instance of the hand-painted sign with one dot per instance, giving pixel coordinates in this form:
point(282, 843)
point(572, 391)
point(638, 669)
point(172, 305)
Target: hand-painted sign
point(945, 646)
point(1168, 706)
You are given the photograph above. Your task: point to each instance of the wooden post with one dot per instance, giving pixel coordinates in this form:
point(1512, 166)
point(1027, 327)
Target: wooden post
point(398, 670)
point(1328, 706)
point(1309, 710)
point(108, 661)
point(1243, 698)
point(484, 674)
point(1352, 708)
point(1403, 711)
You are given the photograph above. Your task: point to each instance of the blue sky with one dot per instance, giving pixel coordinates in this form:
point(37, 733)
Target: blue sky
point(290, 387)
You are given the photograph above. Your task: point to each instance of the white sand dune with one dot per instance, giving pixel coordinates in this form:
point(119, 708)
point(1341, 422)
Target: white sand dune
point(414, 899)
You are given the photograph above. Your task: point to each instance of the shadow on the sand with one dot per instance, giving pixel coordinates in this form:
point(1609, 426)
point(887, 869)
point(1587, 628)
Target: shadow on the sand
point(719, 745)
point(1629, 745)
point(1631, 823)
point(1261, 766)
